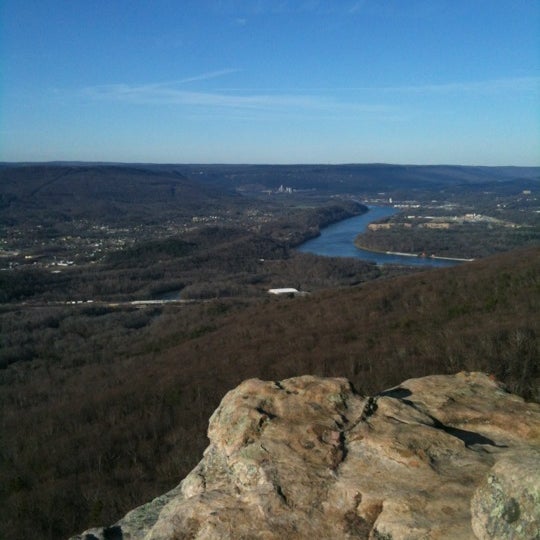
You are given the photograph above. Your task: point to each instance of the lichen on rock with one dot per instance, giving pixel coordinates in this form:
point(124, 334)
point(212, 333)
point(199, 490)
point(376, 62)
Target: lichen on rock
point(507, 502)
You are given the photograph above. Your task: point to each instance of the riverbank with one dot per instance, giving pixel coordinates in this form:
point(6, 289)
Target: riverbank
point(324, 218)
point(416, 255)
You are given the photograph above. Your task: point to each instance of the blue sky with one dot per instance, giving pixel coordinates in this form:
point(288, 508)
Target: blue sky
point(271, 81)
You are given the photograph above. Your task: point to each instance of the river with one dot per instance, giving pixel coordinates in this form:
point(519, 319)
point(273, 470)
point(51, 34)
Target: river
point(337, 240)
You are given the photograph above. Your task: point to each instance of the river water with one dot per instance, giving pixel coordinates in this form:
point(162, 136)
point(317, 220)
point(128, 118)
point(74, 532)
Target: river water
point(337, 240)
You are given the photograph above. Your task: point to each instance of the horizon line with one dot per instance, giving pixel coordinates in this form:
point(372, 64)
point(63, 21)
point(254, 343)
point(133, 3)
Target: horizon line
point(252, 164)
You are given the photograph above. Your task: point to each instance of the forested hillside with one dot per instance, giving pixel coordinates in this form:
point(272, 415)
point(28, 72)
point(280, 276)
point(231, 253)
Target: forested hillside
point(113, 406)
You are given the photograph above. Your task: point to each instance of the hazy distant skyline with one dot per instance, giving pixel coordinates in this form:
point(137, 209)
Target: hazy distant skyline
point(271, 81)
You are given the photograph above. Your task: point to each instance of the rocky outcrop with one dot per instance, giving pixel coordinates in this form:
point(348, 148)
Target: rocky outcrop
point(451, 457)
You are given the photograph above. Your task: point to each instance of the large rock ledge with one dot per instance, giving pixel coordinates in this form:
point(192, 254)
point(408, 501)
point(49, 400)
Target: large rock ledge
point(438, 457)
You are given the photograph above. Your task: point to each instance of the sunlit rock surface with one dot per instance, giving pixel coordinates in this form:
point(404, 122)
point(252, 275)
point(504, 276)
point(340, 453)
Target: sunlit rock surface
point(451, 457)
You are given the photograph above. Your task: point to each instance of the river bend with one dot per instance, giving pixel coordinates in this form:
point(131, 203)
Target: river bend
point(337, 240)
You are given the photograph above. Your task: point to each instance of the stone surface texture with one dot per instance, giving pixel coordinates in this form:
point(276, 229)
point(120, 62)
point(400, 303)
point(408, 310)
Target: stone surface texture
point(440, 457)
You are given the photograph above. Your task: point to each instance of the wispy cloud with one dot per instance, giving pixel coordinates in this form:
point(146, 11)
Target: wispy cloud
point(174, 94)
point(283, 7)
point(491, 86)
point(357, 6)
point(320, 101)
point(503, 85)
point(209, 75)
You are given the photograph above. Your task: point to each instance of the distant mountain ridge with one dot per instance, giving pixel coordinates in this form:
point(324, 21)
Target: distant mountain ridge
point(92, 191)
point(359, 177)
point(430, 173)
